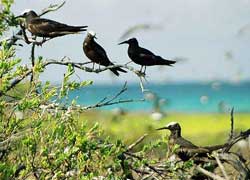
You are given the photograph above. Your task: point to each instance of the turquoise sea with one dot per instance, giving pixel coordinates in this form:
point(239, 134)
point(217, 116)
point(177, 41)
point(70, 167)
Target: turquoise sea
point(181, 97)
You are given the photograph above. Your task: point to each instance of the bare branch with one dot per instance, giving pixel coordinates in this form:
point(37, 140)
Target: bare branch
point(221, 166)
point(232, 124)
point(234, 160)
point(110, 101)
point(242, 135)
point(16, 81)
point(138, 141)
point(209, 174)
point(52, 7)
point(12, 138)
point(32, 57)
point(146, 164)
point(84, 68)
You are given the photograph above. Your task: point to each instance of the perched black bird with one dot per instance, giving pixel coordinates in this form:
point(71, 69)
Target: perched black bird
point(187, 149)
point(143, 56)
point(97, 54)
point(47, 28)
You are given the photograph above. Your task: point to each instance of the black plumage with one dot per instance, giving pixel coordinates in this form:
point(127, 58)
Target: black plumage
point(97, 54)
point(143, 56)
point(47, 28)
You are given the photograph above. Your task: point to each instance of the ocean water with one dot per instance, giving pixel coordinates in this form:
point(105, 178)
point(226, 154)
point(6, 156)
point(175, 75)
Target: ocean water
point(187, 97)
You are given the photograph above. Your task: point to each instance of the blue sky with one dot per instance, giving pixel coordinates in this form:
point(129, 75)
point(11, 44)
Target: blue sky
point(205, 32)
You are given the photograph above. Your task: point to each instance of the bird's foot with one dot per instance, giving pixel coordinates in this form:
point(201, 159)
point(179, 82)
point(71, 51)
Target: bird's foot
point(140, 73)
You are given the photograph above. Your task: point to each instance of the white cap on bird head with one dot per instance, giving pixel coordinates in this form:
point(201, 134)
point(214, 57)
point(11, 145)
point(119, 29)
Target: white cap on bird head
point(92, 33)
point(171, 124)
point(26, 10)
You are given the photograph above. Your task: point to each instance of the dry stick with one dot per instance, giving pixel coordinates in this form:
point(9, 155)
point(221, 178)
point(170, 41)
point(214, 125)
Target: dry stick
point(32, 57)
point(130, 147)
point(146, 164)
point(209, 174)
point(242, 135)
point(105, 102)
point(16, 81)
point(52, 7)
point(12, 138)
point(235, 161)
point(232, 124)
point(221, 166)
point(75, 65)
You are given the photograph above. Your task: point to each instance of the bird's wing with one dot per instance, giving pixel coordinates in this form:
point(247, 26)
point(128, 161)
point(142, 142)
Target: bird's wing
point(146, 54)
point(47, 24)
point(101, 53)
point(185, 143)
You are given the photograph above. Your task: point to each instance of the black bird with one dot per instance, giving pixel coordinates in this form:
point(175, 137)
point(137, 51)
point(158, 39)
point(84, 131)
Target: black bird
point(47, 28)
point(97, 54)
point(143, 56)
point(187, 149)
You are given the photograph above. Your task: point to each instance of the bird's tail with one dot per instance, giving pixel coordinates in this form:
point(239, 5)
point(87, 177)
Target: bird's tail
point(75, 28)
point(115, 70)
point(216, 147)
point(161, 61)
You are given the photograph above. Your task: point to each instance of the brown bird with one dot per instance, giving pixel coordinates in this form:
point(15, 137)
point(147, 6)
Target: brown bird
point(143, 56)
point(47, 28)
point(97, 54)
point(186, 149)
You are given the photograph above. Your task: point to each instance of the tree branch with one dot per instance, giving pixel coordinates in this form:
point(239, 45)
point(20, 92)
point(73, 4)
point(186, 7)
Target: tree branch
point(235, 161)
point(52, 7)
point(78, 66)
point(232, 124)
point(138, 141)
point(209, 174)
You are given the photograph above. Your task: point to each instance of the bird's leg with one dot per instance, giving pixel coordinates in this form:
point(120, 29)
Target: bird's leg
point(141, 69)
point(128, 63)
point(26, 39)
point(44, 39)
point(93, 67)
point(144, 72)
point(99, 66)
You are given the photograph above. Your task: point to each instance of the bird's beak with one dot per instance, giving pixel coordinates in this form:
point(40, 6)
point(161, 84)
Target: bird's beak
point(124, 42)
point(162, 128)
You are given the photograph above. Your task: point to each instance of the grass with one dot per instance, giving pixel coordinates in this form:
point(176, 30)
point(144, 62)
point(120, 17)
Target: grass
point(202, 129)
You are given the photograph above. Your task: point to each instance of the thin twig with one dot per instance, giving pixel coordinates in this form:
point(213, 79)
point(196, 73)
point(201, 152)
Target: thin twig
point(107, 102)
point(66, 63)
point(52, 7)
point(32, 57)
point(232, 124)
point(235, 161)
point(242, 135)
point(130, 147)
point(146, 164)
point(12, 138)
point(221, 166)
point(209, 174)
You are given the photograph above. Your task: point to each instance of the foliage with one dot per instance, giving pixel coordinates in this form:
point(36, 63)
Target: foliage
point(6, 16)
